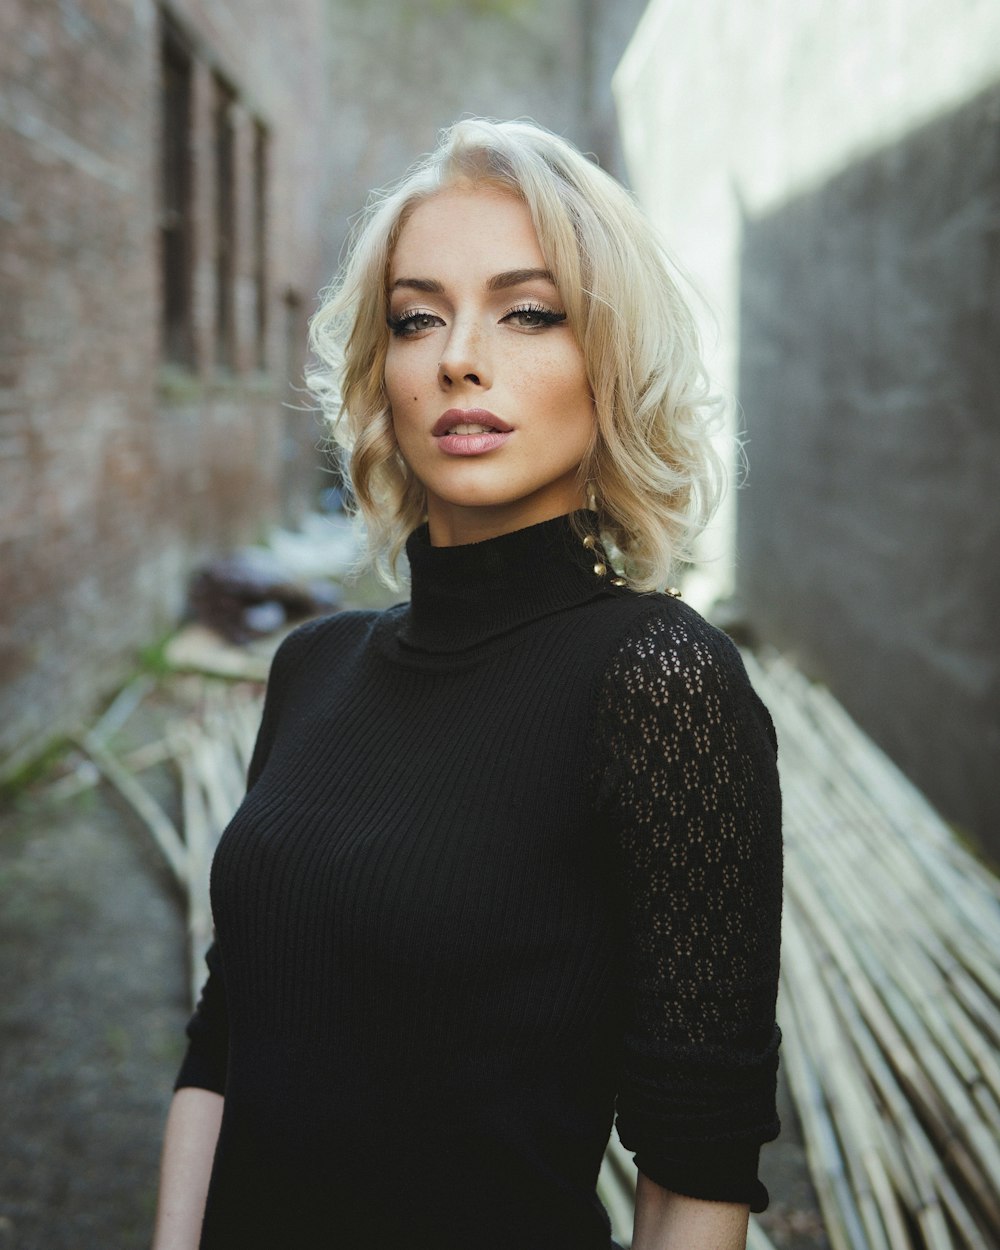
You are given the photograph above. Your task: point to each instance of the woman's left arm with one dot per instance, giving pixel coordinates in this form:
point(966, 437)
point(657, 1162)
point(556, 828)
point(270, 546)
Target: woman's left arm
point(689, 790)
point(668, 1221)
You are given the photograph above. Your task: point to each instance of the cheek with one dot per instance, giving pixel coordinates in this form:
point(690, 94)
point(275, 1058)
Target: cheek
point(566, 382)
point(403, 383)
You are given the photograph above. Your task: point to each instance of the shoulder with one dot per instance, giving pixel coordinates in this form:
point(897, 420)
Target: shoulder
point(315, 636)
point(666, 660)
point(662, 633)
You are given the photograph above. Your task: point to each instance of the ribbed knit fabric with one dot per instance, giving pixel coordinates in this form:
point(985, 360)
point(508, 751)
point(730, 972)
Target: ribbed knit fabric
point(508, 853)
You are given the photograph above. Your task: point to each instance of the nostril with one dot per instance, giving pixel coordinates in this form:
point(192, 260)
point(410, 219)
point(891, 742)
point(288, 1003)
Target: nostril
point(473, 378)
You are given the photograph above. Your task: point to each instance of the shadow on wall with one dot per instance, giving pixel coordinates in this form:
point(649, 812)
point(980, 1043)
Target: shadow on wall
point(870, 377)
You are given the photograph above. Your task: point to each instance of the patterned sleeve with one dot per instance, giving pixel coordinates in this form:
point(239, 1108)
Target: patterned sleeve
point(205, 1061)
point(687, 776)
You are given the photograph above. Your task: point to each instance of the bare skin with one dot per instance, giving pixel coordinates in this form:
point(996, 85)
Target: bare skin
point(478, 324)
point(186, 1165)
point(669, 1221)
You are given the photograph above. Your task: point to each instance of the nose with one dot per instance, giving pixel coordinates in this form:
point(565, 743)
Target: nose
point(464, 360)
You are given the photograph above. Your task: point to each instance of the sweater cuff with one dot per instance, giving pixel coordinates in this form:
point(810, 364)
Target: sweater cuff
point(715, 1172)
point(199, 1071)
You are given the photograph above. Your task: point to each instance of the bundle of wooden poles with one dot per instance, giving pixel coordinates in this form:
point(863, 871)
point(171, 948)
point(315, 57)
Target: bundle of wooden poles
point(209, 751)
point(890, 989)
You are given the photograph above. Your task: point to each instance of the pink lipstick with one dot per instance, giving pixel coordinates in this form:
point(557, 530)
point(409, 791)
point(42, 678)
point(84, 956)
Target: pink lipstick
point(470, 431)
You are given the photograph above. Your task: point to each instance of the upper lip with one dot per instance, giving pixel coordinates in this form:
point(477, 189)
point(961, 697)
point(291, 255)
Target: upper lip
point(469, 416)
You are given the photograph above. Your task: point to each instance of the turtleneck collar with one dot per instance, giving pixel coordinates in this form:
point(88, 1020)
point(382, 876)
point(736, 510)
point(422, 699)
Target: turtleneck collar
point(462, 596)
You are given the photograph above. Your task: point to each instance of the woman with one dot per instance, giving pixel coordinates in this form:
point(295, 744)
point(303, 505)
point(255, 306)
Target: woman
point(510, 852)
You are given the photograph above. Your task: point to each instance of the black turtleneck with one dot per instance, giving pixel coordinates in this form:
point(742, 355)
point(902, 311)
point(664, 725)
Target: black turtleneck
point(509, 856)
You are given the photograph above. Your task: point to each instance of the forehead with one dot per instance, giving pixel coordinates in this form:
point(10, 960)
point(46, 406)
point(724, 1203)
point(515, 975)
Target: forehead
point(481, 230)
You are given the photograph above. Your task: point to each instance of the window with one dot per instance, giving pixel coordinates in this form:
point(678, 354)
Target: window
point(175, 198)
point(260, 242)
point(225, 226)
point(209, 143)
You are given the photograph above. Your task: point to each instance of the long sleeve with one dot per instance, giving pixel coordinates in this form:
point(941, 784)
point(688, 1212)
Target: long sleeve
point(687, 782)
point(205, 1061)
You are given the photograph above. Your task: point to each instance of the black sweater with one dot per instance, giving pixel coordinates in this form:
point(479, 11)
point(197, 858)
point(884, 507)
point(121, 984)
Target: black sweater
point(509, 853)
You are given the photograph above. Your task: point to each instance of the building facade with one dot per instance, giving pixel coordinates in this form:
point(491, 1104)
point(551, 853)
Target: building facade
point(161, 226)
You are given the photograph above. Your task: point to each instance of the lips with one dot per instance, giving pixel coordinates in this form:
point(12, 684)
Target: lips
point(469, 422)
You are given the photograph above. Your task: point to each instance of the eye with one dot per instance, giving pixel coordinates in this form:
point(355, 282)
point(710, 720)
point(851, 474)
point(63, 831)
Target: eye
point(408, 325)
point(533, 317)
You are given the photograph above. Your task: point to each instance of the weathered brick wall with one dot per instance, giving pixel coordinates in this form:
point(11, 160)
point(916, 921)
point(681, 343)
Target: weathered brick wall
point(115, 476)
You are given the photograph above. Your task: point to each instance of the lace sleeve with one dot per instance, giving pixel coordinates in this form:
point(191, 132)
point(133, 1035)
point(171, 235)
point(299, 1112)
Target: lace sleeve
point(687, 781)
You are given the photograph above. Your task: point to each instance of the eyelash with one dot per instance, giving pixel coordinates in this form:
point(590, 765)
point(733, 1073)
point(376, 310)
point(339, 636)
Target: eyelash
point(545, 315)
point(404, 325)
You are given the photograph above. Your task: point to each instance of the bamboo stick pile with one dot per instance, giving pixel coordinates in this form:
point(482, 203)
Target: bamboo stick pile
point(212, 753)
point(209, 752)
point(890, 989)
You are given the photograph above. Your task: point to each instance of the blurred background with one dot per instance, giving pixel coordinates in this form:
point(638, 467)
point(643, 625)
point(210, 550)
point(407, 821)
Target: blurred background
point(178, 180)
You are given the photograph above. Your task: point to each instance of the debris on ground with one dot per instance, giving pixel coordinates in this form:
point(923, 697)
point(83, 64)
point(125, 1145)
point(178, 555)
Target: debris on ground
point(198, 649)
point(242, 604)
point(248, 595)
point(209, 751)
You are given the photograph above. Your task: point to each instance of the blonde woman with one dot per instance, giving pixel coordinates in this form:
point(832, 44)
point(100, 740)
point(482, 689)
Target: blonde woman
point(509, 862)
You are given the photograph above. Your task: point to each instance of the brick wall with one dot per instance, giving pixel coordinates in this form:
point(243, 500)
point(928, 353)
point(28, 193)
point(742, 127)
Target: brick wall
point(117, 473)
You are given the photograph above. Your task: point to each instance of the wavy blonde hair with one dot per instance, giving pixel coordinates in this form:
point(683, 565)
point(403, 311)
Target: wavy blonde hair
point(651, 466)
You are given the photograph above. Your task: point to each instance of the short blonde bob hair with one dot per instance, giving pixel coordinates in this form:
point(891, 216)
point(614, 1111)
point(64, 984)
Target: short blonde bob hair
point(651, 466)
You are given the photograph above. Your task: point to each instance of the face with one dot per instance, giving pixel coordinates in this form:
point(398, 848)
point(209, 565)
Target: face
point(487, 384)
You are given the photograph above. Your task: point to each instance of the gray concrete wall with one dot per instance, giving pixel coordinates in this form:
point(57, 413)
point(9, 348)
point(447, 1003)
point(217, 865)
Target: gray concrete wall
point(402, 69)
point(829, 173)
point(870, 378)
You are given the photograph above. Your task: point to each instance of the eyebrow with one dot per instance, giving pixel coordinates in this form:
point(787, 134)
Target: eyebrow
point(515, 277)
point(499, 281)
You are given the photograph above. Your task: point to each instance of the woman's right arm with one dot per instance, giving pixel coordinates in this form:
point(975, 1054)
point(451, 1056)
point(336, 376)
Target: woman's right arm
point(196, 1111)
point(188, 1150)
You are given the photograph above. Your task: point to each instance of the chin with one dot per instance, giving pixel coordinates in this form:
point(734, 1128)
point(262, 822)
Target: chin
point(476, 495)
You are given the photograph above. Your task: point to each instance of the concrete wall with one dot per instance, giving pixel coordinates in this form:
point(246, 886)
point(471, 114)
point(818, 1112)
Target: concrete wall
point(115, 473)
point(831, 173)
point(402, 69)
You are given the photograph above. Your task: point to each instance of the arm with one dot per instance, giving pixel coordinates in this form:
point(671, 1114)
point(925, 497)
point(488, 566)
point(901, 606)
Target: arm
point(196, 1111)
point(688, 787)
point(195, 1117)
point(669, 1221)
point(185, 1168)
